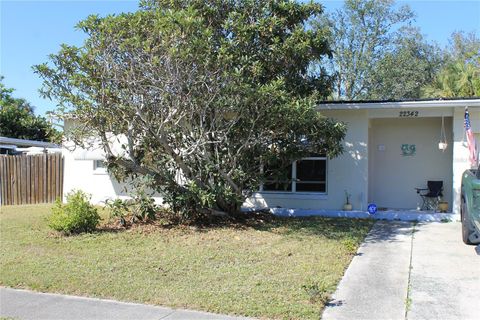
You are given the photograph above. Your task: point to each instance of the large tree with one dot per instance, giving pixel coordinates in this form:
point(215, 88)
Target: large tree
point(377, 54)
point(18, 120)
point(200, 93)
point(401, 73)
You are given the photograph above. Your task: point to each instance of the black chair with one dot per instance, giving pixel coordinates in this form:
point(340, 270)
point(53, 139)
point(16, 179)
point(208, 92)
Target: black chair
point(431, 195)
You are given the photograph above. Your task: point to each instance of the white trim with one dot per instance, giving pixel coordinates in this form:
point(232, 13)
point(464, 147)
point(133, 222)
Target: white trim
point(88, 154)
point(99, 170)
point(400, 105)
point(294, 181)
point(404, 215)
point(27, 143)
point(422, 113)
point(290, 195)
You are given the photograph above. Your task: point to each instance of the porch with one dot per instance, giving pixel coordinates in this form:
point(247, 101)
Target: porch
point(397, 215)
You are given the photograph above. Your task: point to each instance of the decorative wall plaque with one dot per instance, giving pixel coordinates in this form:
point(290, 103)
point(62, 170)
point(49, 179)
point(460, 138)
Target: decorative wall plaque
point(408, 150)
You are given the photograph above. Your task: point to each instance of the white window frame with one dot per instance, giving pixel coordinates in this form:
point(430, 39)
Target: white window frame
point(294, 180)
point(99, 169)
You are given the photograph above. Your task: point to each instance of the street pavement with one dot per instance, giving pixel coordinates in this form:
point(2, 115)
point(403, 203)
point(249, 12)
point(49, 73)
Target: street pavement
point(26, 305)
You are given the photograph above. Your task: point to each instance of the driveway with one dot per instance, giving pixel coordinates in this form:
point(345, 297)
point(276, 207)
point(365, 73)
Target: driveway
point(407, 271)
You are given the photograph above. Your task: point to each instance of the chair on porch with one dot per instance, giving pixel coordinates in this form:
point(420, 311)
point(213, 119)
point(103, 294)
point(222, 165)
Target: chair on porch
point(431, 195)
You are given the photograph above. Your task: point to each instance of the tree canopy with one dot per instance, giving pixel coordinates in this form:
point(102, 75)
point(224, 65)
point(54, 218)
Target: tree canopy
point(460, 73)
point(402, 72)
point(17, 119)
point(200, 94)
point(377, 53)
point(362, 32)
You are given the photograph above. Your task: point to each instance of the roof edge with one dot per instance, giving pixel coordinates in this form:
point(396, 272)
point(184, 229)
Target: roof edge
point(358, 105)
point(28, 143)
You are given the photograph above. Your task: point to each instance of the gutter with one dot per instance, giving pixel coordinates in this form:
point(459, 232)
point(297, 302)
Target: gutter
point(474, 103)
point(28, 143)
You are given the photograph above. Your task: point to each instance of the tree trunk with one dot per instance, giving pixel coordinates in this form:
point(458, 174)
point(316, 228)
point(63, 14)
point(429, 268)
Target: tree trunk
point(231, 209)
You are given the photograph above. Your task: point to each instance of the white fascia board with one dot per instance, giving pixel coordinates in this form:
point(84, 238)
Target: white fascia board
point(27, 143)
point(400, 105)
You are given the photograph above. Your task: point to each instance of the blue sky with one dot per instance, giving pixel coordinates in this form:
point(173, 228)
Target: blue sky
point(31, 30)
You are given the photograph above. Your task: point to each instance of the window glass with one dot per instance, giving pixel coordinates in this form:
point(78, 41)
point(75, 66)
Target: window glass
point(99, 164)
point(280, 181)
point(310, 175)
point(277, 186)
point(311, 170)
point(99, 167)
point(311, 187)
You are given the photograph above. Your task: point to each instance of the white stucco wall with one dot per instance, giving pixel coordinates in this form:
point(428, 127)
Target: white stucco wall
point(80, 175)
point(460, 150)
point(393, 177)
point(347, 172)
point(389, 182)
point(351, 171)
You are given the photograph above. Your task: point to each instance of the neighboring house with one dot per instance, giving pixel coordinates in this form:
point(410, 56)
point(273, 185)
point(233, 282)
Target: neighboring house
point(13, 146)
point(391, 148)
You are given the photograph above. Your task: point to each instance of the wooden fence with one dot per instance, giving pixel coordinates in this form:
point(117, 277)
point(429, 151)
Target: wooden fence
point(31, 179)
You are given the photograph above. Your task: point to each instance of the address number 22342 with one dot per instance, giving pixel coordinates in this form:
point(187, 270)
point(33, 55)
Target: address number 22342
point(408, 114)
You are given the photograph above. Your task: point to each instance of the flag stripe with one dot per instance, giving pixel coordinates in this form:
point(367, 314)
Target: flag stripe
point(472, 144)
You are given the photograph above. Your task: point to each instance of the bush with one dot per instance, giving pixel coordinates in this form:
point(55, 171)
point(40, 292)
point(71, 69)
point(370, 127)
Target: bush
point(76, 216)
point(119, 209)
point(141, 207)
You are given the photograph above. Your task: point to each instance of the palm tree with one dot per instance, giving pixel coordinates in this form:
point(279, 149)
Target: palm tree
point(460, 76)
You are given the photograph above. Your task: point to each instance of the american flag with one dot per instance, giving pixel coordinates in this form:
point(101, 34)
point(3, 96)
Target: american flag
point(472, 145)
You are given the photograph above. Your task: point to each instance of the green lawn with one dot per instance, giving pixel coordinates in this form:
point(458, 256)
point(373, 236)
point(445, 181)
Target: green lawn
point(273, 270)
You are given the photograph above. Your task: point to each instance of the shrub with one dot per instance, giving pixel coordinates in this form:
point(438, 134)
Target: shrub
point(119, 209)
point(141, 207)
point(76, 216)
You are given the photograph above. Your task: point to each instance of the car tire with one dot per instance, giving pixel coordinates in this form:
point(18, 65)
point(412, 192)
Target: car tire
point(466, 228)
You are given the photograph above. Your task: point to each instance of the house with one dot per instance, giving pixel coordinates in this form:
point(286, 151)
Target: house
point(391, 148)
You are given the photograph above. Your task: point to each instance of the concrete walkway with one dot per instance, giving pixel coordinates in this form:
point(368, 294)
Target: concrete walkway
point(24, 304)
point(403, 271)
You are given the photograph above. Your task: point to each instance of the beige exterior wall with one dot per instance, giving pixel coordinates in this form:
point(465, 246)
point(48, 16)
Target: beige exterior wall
point(386, 177)
point(460, 150)
point(393, 176)
point(389, 181)
point(347, 172)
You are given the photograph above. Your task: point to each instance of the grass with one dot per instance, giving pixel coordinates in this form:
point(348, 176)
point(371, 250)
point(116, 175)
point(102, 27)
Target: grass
point(282, 269)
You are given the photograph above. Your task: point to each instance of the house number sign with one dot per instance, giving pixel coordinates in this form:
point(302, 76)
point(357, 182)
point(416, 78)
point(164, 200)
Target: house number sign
point(408, 114)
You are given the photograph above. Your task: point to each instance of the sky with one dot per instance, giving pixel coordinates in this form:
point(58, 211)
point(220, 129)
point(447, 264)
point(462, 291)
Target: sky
point(31, 30)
